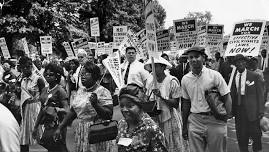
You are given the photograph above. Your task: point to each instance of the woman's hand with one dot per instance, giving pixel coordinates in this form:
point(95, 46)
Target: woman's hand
point(157, 92)
point(57, 135)
point(35, 133)
point(93, 99)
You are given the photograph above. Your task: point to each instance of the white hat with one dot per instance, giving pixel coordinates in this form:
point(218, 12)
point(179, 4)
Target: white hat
point(82, 51)
point(158, 60)
point(70, 58)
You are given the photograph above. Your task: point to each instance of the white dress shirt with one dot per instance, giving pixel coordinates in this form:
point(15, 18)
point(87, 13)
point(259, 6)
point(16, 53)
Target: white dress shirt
point(243, 81)
point(137, 73)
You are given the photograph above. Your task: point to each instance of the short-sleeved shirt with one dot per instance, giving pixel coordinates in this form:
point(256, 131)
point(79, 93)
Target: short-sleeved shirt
point(82, 105)
point(147, 136)
point(194, 87)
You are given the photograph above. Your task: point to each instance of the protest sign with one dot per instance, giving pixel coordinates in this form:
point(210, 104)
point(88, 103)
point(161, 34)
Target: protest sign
point(214, 40)
point(68, 49)
point(46, 45)
point(74, 48)
point(112, 63)
point(163, 40)
point(4, 48)
point(265, 37)
point(246, 38)
point(173, 46)
point(201, 35)
point(152, 47)
point(92, 45)
point(82, 44)
point(119, 33)
point(100, 49)
point(185, 33)
point(25, 46)
point(142, 39)
point(94, 23)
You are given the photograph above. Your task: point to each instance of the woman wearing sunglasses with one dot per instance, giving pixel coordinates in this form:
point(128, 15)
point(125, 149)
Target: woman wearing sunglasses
point(55, 106)
point(137, 131)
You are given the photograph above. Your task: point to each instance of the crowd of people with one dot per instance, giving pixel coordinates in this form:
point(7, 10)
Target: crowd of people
point(163, 103)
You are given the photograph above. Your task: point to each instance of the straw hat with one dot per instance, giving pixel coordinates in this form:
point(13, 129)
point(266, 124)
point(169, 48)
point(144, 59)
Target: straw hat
point(158, 60)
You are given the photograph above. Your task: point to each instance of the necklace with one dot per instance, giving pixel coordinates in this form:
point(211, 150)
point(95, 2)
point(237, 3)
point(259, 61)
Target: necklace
point(91, 88)
point(49, 90)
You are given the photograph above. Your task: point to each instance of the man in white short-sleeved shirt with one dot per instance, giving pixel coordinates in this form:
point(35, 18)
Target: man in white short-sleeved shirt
point(204, 130)
point(9, 131)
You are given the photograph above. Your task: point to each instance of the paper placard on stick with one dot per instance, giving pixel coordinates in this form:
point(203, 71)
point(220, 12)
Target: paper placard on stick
point(119, 33)
point(185, 33)
point(68, 49)
point(25, 46)
point(201, 36)
point(214, 40)
point(265, 37)
point(163, 40)
point(151, 36)
point(246, 38)
point(3, 46)
point(94, 23)
point(142, 42)
point(112, 63)
point(46, 44)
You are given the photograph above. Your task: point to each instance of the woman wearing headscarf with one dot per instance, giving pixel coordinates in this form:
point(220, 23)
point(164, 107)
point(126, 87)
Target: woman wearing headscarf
point(55, 106)
point(91, 105)
point(166, 92)
point(137, 131)
point(31, 87)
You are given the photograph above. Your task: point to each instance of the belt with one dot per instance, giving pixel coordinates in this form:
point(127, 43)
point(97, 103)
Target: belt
point(205, 113)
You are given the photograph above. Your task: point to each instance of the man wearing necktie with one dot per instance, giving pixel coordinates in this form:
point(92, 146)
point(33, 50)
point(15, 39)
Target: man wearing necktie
point(134, 71)
point(248, 105)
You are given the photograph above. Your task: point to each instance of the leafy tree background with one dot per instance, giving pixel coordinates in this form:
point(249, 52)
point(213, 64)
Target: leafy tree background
point(68, 20)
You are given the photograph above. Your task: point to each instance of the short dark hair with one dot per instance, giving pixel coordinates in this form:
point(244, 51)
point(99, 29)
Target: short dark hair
point(57, 70)
point(130, 48)
point(25, 62)
point(164, 54)
point(93, 69)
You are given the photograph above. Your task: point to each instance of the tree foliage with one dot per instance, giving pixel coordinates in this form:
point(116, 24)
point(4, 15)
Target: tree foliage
point(202, 17)
point(69, 19)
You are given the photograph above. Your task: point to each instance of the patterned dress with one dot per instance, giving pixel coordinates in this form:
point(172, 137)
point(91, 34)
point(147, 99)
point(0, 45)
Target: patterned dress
point(169, 120)
point(86, 115)
point(147, 137)
point(29, 108)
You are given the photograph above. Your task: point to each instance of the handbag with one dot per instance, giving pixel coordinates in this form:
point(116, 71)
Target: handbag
point(103, 131)
point(216, 104)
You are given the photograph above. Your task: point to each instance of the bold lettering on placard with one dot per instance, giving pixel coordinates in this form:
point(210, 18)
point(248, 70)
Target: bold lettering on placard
point(180, 46)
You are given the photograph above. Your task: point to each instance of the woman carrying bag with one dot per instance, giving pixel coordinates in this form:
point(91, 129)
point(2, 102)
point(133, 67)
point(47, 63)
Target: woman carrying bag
point(90, 106)
point(55, 106)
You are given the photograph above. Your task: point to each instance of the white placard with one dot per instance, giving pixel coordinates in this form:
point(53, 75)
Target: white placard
point(119, 33)
point(94, 23)
point(25, 46)
point(46, 44)
point(246, 38)
point(163, 40)
point(4, 48)
point(214, 40)
point(112, 63)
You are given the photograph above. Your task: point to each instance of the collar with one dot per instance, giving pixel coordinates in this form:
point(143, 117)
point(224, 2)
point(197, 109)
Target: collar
point(242, 72)
point(198, 75)
point(30, 77)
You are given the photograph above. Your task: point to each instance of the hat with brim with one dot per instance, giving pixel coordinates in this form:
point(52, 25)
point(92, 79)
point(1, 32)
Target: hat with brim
point(195, 49)
point(184, 55)
point(239, 57)
point(157, 60)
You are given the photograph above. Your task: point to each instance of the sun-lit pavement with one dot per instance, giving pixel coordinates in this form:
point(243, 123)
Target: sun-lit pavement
point(231, 142)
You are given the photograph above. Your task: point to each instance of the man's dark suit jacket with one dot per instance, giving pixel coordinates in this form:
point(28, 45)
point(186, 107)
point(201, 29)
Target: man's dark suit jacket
point(254, 97)
point(178, 71)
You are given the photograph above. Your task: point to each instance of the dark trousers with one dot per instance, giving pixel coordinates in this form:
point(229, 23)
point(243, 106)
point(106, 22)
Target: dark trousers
point(246, 129)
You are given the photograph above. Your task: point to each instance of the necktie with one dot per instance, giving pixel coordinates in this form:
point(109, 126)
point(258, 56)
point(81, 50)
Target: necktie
point(183, 69)
point(262, 64)
point(126, 74)
point(239, 89)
